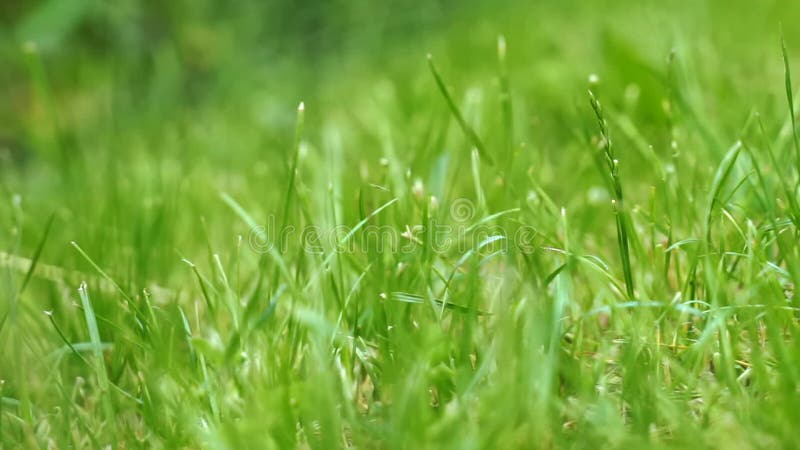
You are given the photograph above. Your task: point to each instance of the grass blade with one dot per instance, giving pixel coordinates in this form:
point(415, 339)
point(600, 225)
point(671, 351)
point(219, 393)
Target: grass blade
point(468, 130)
point(790, 99)
point(99, 364)
point(723, 172)
point(37, 254)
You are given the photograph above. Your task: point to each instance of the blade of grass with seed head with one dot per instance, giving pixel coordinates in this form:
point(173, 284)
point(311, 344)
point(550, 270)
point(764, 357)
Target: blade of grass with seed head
point(617, 203)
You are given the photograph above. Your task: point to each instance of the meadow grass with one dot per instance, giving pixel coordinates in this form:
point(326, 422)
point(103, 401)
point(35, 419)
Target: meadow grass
point(280, 225)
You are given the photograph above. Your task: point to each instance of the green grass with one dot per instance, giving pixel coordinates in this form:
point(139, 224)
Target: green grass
point(491, 225)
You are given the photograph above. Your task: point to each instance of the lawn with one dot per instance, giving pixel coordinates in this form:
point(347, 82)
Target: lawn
point(399, 224)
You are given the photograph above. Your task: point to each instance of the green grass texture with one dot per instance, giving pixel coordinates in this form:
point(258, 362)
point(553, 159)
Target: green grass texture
point(399, 225)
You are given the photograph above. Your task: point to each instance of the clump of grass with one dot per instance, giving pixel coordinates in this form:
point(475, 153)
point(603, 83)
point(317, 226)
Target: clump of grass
point(493, 314)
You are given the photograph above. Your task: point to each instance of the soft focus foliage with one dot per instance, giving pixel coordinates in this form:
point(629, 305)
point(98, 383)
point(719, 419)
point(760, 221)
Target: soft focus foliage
point(147, 148)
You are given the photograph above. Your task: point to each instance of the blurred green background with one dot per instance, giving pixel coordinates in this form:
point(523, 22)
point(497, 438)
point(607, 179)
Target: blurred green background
point(138, 87)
